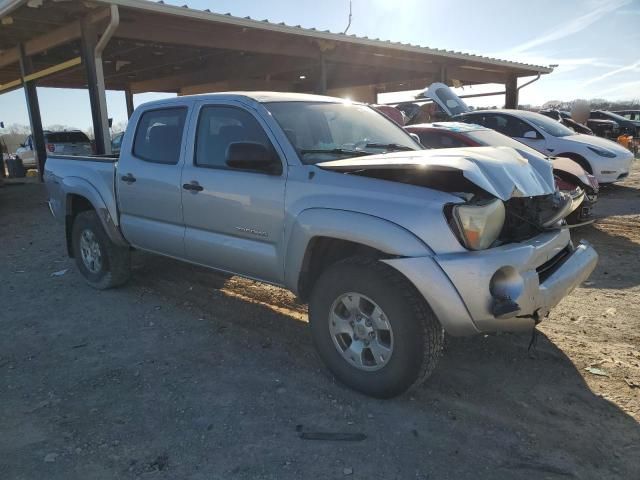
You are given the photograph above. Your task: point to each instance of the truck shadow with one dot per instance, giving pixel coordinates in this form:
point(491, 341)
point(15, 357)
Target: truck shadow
point(523, 414)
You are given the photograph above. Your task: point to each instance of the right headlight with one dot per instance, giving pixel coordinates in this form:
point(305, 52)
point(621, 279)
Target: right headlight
point(479, 225)
point(602, 152)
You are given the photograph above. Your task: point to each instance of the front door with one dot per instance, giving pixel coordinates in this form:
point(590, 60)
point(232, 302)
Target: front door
point(148, 182)
point(234, 218)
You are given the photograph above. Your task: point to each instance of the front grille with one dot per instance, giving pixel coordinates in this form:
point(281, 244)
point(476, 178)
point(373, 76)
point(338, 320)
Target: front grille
point(524, 216)
point(547, 268)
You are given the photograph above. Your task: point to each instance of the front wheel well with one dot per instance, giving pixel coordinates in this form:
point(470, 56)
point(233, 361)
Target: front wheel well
point(75, 205)
point(579, 159)
point(323, 252)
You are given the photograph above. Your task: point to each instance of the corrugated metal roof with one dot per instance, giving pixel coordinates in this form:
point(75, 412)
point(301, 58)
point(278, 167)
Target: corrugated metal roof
point(185, 10)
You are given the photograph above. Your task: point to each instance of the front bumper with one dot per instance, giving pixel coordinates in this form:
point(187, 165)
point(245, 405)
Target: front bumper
point(615, 170)
point(467, 291)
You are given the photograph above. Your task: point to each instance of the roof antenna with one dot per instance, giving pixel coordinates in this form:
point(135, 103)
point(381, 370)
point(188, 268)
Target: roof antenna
point(350, 15)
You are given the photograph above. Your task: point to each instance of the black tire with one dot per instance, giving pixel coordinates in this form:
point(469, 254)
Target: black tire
point(418, 336)
point(115, 260)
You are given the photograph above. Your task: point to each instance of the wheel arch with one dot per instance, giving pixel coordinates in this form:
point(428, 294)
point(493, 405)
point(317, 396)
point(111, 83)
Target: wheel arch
point(80, 196)
point(579, 159)
point(322, 237)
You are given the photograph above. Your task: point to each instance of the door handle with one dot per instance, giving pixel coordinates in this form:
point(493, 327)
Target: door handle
point(128, 178)
point(193, 187)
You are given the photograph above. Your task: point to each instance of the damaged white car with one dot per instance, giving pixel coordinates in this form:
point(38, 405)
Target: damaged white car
point(390, 244)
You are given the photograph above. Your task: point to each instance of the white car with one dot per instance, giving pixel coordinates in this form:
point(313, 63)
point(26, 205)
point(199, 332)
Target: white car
point(604, 159)
point(69, 142)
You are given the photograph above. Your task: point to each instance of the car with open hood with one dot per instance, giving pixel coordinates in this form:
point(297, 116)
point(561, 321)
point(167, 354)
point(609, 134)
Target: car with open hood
point(569, 176)
point(391, 244)
point(604, 159)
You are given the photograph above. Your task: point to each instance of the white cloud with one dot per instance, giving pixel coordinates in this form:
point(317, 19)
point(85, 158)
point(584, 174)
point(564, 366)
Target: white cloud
point(630, 88)
point(626, 68)
point(572, 26)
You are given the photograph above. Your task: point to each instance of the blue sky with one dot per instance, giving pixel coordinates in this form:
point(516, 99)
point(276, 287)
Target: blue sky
point(594, 42)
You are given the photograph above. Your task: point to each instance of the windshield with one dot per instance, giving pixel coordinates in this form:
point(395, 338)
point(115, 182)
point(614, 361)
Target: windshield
point(491, 138)
point(552, 127)
point(322, 131)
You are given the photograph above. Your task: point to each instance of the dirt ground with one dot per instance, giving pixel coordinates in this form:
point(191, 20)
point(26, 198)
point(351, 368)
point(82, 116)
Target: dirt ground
point(185, 373)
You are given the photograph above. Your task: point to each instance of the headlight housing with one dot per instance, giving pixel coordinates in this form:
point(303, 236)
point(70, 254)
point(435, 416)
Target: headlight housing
point(602, 152)
point(479, 225)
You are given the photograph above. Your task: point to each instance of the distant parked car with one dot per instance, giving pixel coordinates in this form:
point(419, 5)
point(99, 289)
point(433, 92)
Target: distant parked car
point(627, 127)
point(629, 114)
point(69, 142)
point(604, 159)
point(570, 177)
point(565, 119)
point(116, 143)
point(604, 128)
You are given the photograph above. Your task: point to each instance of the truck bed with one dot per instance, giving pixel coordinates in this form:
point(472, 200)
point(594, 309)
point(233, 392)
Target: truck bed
point(86, 158)
point(93, 174)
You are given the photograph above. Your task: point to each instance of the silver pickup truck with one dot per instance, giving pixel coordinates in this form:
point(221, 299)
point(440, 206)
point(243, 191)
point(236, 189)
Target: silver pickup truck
point(391, 244)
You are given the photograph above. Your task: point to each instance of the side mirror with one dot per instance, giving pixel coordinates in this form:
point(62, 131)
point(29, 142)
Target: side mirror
point(253, 156)
point(416, 138)
point(531, 134)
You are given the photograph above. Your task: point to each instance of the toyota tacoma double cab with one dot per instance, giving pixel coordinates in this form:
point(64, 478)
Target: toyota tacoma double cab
point(390, 244)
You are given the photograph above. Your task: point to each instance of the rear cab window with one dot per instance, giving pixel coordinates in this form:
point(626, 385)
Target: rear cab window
point(159, 135)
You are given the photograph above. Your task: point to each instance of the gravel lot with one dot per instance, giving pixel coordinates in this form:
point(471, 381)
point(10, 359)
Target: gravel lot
point(185, 373)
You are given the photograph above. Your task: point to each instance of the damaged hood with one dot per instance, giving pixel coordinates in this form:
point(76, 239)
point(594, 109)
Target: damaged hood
point(500, 171)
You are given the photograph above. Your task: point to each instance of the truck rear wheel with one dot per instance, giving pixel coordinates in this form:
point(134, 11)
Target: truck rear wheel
point(372, 328)
point(102, 263)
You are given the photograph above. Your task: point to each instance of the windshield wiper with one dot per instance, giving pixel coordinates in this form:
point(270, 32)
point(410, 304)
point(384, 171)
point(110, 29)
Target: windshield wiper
point(393, 147)
point(337, 151)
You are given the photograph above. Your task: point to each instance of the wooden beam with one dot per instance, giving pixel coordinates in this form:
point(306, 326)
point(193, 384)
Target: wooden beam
point(511, 92)
point(128, 97)
point(40, 74)
point(377, 59)
point(56, 37)
point(239, 84)
point(241, 68)
point(473, 75)
point(221, 37)
point(33, 107)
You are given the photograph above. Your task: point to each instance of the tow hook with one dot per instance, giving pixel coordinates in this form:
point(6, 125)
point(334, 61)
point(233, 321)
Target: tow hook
point(505, 308)
point(540, 314)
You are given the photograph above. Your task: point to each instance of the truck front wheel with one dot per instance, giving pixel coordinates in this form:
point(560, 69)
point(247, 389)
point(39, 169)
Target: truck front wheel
point(102, 263)
point(372, 328)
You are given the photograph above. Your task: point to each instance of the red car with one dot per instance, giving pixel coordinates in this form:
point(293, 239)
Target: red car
point(570, 176)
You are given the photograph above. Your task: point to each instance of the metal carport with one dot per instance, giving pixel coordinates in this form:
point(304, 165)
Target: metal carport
point(140, 46)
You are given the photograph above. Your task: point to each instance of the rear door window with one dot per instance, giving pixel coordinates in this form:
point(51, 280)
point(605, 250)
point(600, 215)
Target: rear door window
point(159, 135)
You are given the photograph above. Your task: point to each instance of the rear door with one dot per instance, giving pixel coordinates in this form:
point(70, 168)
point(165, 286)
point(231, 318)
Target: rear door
point(234, 218)
point(148, 181)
